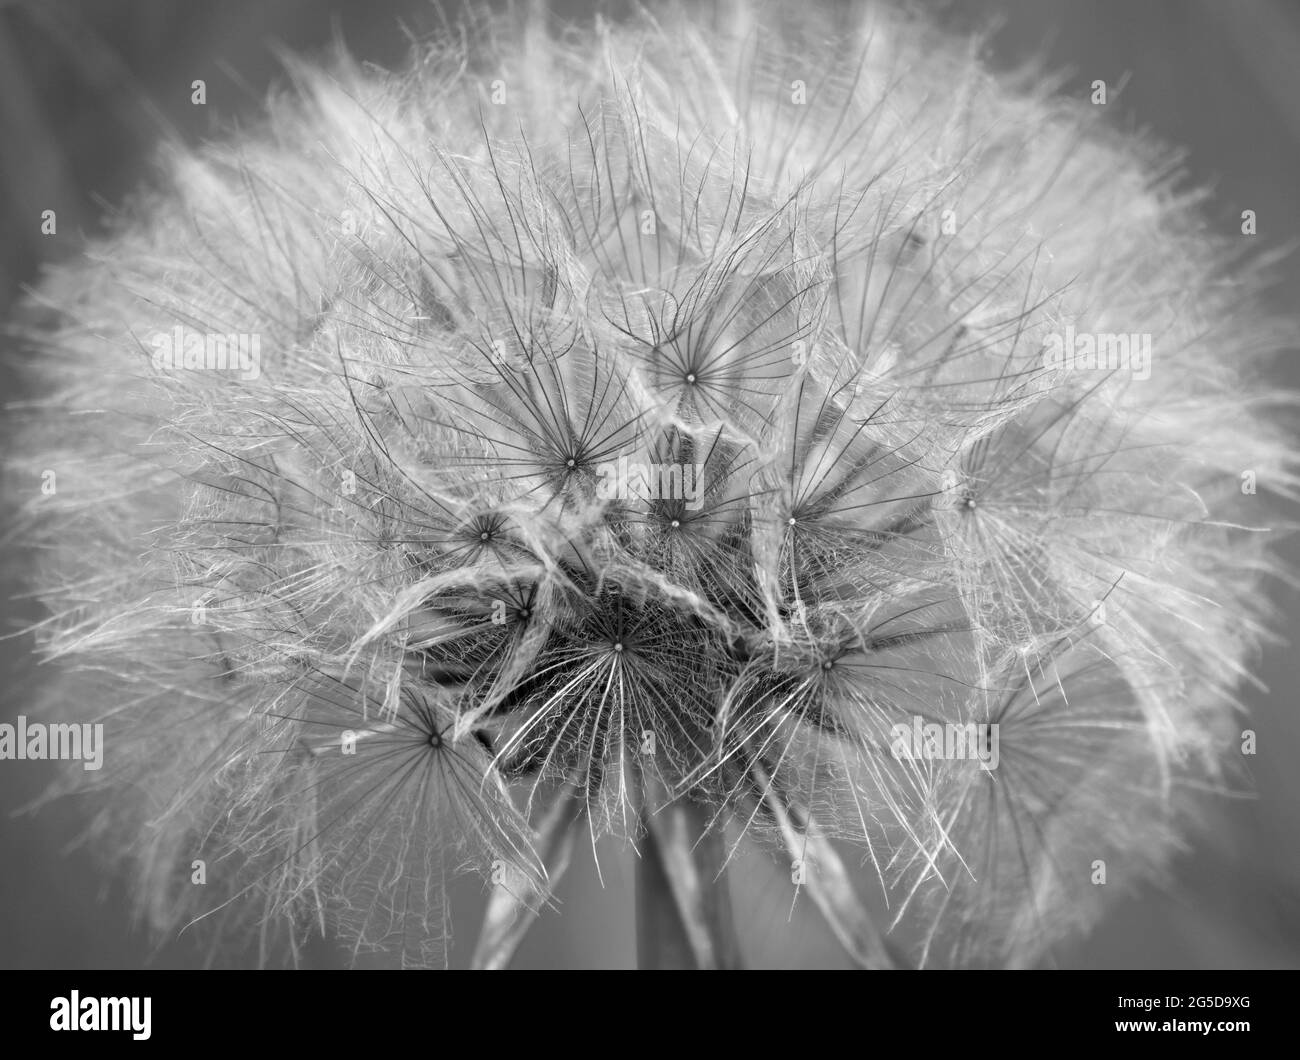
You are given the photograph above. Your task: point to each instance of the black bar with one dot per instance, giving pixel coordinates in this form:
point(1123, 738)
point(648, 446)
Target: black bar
point(581, 1012)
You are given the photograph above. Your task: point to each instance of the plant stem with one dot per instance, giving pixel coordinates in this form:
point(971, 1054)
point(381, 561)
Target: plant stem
point(683, 904)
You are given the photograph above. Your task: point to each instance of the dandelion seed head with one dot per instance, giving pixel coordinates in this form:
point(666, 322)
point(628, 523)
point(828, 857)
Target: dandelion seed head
point(424, 613)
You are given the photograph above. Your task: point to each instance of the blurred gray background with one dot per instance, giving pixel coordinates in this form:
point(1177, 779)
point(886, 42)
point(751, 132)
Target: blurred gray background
point(88, 88)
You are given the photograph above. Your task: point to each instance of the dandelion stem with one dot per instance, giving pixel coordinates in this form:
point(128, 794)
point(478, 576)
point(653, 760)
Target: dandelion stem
point(683, 905)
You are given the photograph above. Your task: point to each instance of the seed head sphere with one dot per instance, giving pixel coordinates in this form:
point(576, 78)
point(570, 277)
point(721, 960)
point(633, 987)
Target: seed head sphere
point(768, 412)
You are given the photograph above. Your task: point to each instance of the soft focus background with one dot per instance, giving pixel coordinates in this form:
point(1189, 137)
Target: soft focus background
point(88, 88)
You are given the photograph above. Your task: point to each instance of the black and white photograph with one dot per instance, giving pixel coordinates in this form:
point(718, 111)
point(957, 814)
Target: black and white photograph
point(586, 485)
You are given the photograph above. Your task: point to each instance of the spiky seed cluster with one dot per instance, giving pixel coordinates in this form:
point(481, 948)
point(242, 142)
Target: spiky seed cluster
point(350, 615)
